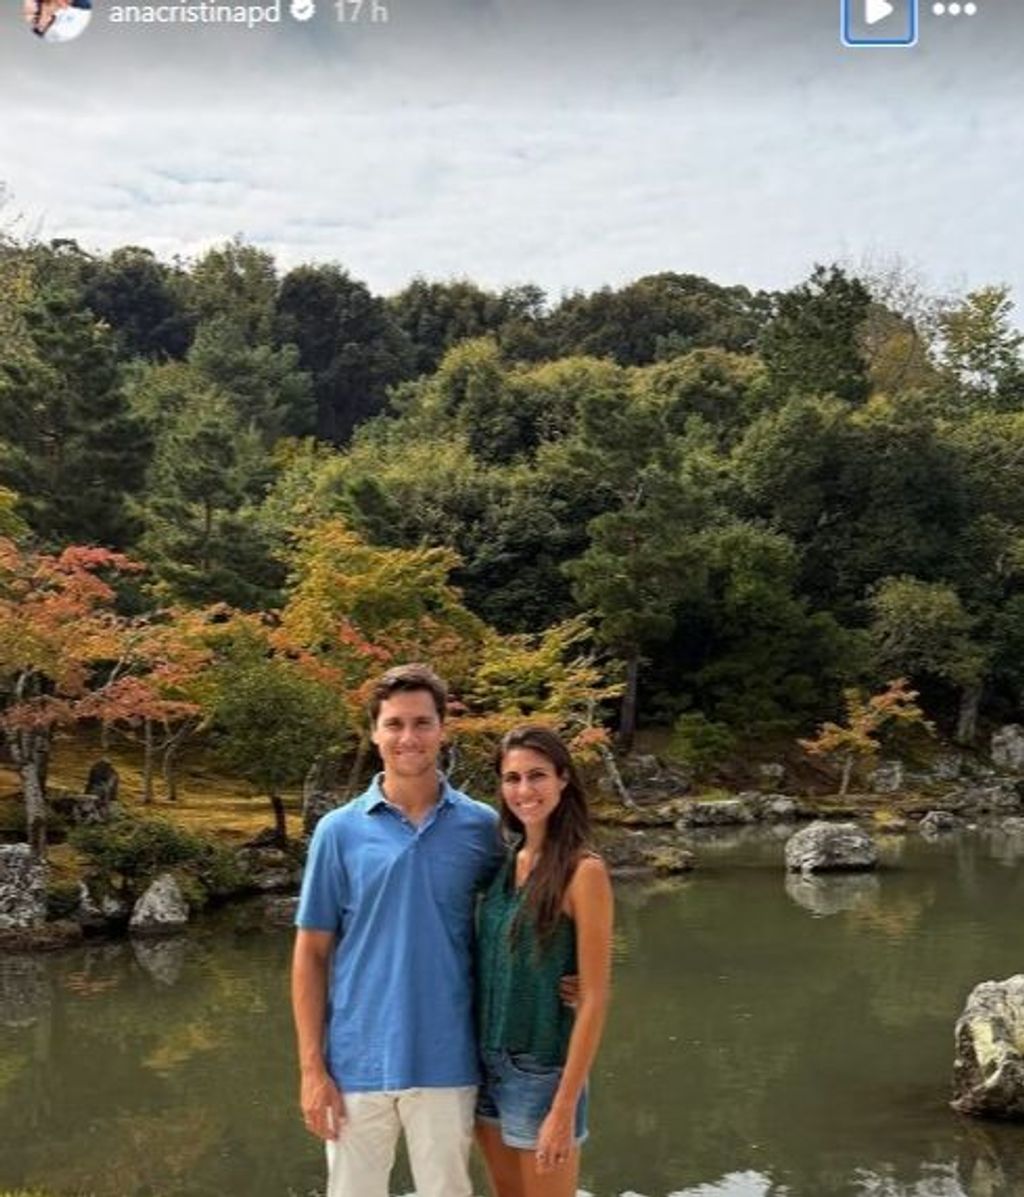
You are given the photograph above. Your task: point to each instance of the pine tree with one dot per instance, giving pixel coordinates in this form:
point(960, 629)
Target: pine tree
point(70, 446)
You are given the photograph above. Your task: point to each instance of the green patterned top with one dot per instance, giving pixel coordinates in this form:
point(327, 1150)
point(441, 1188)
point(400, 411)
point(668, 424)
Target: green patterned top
point(519, 1009)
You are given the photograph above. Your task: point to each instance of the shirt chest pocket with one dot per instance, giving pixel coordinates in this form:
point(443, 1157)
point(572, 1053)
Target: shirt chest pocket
point(452, 873)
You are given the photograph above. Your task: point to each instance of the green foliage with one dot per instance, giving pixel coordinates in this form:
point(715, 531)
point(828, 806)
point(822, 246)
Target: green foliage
point(70, 447)
point(61, 899)
point(201, 533)
point(270, 719)
point(347, 340)
point(143, 301)
point(129, 852)
point(700, 742)
point(922, 628)
point(982, 349)
point(812, 345)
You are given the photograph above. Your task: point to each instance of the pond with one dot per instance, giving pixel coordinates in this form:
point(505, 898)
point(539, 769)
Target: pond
point(768, 1036)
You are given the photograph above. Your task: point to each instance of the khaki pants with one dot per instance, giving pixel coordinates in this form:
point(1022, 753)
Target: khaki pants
point(438, 1126)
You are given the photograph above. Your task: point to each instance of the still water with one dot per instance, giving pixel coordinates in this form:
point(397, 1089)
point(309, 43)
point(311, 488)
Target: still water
point(768, 1036)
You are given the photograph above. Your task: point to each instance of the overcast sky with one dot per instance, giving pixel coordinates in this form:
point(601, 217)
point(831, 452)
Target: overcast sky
point(559, 142)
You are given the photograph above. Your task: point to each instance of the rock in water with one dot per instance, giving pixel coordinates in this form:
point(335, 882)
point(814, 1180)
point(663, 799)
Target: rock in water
point(830, 846)
point(22, 889)
point(937, 821)
point(988, 1071)
point(161, 910)
point(724, 812)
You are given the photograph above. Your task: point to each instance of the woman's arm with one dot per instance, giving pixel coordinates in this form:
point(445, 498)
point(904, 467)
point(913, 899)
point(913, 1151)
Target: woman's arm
point(589, 901)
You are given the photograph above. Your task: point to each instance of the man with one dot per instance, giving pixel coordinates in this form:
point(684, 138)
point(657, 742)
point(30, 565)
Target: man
point(382, 974)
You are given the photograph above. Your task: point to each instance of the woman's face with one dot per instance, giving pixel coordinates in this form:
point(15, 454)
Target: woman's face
point(531, 786)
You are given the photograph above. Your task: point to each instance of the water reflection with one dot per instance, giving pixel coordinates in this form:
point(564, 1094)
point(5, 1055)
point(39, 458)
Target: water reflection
point(751, 1049)
point(162, 959)
point(823, 896)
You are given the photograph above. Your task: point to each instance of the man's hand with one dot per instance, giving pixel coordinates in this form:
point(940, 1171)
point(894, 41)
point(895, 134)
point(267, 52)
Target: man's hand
point(323, 1107)
point(569, 990)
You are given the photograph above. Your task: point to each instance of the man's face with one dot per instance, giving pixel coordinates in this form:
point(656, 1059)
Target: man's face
point(408, 733)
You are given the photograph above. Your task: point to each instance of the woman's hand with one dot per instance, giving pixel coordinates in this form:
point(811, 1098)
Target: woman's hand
point(555, 1140)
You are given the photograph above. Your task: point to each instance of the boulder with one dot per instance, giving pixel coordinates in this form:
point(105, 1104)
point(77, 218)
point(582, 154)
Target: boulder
point(886, 778)
point(1008, 748)
point(994, 797)
point(779, 808)
point(937, 821)
point(315, 805)
point(825, 896)
point(668, 859)
point(722, 813)
point(988, 1069)
point(1013, 826)
point(771, 775)
point(82, 810)
point(276, 880)
point(162, 909)
point(93, 912)
point(822, 847)
point(22, 889)
point(946, 767)
point(641, 766)
point(103, 783)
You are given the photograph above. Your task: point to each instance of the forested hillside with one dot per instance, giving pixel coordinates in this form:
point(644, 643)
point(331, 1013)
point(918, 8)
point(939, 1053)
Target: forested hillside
point(727, 505)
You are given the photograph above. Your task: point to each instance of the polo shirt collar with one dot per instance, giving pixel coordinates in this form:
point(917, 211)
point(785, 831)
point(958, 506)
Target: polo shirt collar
point(375, 796)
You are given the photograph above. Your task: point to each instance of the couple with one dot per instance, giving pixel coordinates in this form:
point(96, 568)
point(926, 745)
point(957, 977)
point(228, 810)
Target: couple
point(420, 1009)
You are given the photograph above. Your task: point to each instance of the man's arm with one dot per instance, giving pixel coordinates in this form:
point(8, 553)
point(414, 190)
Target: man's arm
point(323, 1106)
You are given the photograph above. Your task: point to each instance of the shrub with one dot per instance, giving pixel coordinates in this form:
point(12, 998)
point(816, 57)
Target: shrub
point(61, 899)
point(700, 743)
point(132, 851)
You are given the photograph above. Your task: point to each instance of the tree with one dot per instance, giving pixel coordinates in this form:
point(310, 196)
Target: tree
point(922, 629)
point(70, 446)
point(812, 344)
point(656, 317)
point(642, 556)
point(858, 740)
point(58, 628)
point(271, 718)
point(436, 316)
point(143, 301)
point(201, 535)
point(347, 340)
point(265, 386)
point(982, 349)
point(237, 283)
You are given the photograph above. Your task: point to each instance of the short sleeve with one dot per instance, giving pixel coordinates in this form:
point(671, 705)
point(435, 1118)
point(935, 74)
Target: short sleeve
point(324, 885)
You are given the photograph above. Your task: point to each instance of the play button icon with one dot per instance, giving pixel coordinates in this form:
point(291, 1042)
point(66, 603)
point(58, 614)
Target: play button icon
point(878, 22)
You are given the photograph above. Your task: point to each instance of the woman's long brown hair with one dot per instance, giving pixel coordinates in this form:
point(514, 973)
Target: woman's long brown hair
point(568, 829)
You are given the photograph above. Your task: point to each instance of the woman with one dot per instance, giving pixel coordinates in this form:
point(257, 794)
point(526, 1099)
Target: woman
point(547, 915)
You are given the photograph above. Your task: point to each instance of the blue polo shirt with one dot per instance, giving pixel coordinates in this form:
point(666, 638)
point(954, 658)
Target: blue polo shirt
point(401, 900)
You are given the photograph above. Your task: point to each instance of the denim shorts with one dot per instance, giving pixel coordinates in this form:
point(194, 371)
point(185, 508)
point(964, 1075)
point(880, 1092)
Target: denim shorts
point(516, 1093)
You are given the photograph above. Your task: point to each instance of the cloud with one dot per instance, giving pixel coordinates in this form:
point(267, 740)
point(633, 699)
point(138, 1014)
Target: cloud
point(507, 150)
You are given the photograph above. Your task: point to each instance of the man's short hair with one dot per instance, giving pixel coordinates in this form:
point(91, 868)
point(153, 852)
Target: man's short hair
point(406, 678)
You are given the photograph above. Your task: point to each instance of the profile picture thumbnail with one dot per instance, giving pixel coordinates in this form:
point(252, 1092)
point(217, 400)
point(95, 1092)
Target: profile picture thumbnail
point(58, 20)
